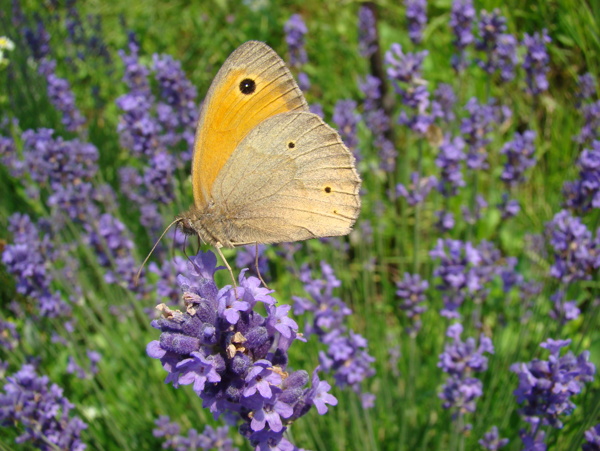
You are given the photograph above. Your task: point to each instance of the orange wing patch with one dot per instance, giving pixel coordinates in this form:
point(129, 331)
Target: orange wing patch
point(232, 113)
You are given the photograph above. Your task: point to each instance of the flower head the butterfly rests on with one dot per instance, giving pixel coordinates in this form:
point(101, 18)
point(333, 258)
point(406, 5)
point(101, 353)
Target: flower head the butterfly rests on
point(266, 170)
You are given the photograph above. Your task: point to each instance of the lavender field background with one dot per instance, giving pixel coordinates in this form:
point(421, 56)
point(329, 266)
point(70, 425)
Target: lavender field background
point(461, 313)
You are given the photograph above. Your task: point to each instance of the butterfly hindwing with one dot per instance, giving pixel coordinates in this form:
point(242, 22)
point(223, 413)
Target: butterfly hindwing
point(290, 179)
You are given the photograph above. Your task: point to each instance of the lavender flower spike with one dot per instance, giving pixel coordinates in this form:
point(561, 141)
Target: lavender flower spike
point(416, 16)
point(536, 61)
point(236, 358)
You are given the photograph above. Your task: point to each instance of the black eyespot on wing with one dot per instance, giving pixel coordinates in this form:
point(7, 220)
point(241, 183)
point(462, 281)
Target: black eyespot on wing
point(247, 86)
point(291, 145)
point(328, 189)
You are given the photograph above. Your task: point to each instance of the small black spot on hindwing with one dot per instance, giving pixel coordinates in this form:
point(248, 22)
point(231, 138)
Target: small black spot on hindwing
point(328, 189)
point(291, 145)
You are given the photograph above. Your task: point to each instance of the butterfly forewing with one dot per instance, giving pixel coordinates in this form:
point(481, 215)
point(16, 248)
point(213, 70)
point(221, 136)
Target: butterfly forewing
point(290, 179)
point(253, 85)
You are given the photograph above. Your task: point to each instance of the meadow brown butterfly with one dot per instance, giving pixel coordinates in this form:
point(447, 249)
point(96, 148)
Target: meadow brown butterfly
point(265, 169)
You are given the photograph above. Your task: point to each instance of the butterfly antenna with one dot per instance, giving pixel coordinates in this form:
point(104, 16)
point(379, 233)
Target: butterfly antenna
point(137, 276)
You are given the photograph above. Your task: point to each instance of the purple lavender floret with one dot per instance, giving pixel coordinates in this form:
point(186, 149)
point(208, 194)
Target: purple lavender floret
point(576, 252)
point(509, 207)
point(404, 70)
point(546, 386)
point(178, 111)
point(491, 440)
point(346, 118)
point(29, 403)
point(66, 167)
point(346, 356)
point(586, 85)
point(234, 357)
point(562, 310)
point(9, 337)
point(536, 61)
point(109, 238)
point(416, 16)
point(210, 438)
point(411, 291)
point(417, 191)
point(38, 40)
point(29, 259)
point(449, 160)
point(367, 32)
point(591, 125)
point(519, 157)
point(499, 47)
point(583, 194)
point(295, 31)
point(445, 221)
point(462, 15)
point(476, 127)
point(378, 122)
point(464, 271)
point(61, 96)
point(460, 360)
point(443, 103)
point(592, 438)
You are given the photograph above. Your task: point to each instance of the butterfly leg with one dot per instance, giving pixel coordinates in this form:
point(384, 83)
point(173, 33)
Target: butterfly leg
point(257, 268)
point(218, 246)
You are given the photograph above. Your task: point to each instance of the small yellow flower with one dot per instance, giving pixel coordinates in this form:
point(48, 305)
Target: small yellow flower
point(6, 44)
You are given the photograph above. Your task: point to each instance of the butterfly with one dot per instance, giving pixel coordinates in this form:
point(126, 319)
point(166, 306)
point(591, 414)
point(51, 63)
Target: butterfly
point(265, 169)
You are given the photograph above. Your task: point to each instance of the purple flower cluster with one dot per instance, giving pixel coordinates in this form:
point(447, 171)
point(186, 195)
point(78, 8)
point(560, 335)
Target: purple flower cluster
point(346, 356)
point(536, 61)
point(416, 16)
point(405, 72)
point(367, 31)
point(563, 311)
point(411, 291)
point(492, 441)
point(61, 96)
point(576, 252)
point(139, 131)
point(234, 357)
point(443, 103)
point(209, 438)
point(591, 125)
point(9, 337)
point(109, 238)
point(177, 112)
point(465, 270)
point(295, 32)
point(65, 167)
point(462, 15)
point(519, 157)
point(38, 40)
point(592, 437)
point(41, 411)
point(346, 118)
point(546, 386)
point(378, 122)
point(166, 286)
point(586, 84)
point(476, 128)
point(499, 47)
point(30, 260)
point(461, 359)
point(419, 188)
point(583, 194)
point(449, 160)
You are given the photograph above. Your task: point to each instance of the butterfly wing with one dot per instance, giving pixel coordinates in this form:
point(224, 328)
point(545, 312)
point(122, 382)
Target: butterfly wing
point(290, 179)
point(253, 85)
